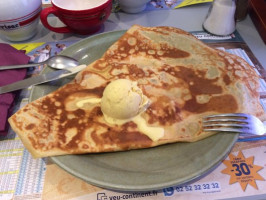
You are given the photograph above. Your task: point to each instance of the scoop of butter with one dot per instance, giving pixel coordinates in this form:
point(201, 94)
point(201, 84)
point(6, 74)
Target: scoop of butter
point(123, 99)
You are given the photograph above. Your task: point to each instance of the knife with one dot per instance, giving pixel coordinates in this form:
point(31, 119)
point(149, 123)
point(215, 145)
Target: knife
point(43, 78)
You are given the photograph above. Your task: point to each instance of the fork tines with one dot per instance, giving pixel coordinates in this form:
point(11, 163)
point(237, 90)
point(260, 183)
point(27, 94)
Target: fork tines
point(230, 122)
point(233, 115)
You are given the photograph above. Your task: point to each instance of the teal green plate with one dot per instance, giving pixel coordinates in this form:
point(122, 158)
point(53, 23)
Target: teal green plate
point(136, 170)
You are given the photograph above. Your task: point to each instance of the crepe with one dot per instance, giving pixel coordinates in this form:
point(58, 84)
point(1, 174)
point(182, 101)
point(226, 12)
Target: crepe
point(183, 78)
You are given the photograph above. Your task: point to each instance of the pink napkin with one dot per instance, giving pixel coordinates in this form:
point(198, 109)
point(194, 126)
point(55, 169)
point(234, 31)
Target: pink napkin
point(9, 56)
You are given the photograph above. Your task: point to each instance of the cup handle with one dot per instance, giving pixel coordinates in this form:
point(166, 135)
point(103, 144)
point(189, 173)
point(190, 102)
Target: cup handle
point(44, 15)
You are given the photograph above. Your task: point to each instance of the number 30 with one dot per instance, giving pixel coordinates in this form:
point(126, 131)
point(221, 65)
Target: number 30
point(242, 168)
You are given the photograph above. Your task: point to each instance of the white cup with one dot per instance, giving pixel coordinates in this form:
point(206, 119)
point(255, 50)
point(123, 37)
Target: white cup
point(19, 18)
point(133, 6)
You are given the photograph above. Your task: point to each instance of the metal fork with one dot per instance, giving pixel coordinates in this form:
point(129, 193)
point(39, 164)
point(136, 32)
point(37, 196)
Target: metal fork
point(234, 122)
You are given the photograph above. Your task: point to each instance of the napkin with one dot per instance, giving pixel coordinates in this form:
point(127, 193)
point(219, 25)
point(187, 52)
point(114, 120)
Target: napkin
point(9, 56)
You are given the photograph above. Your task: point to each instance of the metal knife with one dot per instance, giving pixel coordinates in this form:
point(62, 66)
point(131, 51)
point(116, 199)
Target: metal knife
point(43, 78)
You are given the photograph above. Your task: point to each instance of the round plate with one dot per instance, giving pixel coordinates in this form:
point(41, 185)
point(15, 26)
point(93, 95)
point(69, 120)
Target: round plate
point(136, 170)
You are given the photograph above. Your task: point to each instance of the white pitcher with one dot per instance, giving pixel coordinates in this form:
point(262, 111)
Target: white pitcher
point(221, 18)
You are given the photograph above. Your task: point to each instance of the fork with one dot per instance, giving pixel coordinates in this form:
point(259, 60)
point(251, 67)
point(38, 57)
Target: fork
point(234, 122)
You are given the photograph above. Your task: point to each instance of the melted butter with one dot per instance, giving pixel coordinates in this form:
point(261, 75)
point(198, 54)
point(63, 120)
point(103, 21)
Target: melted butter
point(154, 133)
point(81, 103)
point(112, 120)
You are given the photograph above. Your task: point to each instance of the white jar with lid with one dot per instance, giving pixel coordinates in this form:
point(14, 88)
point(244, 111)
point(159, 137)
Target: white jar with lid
point(221, 18)
point(19, 18)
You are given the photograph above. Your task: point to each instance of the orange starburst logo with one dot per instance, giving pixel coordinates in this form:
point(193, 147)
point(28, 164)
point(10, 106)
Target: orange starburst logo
point(242, 170)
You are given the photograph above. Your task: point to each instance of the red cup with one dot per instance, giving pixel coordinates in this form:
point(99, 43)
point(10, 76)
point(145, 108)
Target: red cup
point(80, 16)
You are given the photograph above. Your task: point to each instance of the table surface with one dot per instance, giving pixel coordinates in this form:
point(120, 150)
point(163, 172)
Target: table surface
point(187, 18)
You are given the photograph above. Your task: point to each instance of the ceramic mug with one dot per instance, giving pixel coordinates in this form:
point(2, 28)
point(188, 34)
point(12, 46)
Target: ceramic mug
point(79, 16)
point(133, 6)
point(19, 19)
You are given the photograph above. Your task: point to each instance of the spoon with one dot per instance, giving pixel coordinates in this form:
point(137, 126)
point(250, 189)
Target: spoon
point(56, 62)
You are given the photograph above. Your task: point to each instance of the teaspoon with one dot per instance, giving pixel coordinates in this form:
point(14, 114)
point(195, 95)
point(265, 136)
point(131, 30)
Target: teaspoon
point(56, 62)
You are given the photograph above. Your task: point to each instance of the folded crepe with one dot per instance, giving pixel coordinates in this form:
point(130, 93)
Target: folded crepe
point(172, 77)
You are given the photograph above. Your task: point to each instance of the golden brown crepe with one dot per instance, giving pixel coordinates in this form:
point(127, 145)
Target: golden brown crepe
point(183, 78)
